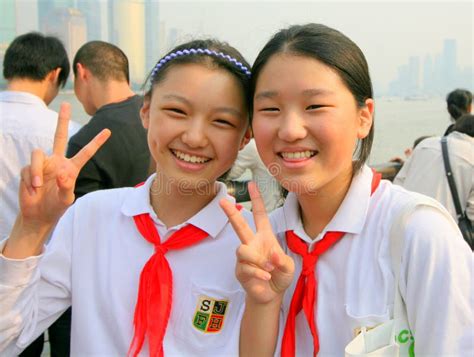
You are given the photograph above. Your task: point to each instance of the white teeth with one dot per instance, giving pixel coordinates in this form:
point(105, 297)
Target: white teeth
point(190, 158)
point(298, 155)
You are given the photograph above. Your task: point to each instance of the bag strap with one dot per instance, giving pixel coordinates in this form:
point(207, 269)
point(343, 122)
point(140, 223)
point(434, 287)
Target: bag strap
point(397, 245)
point(449, 175)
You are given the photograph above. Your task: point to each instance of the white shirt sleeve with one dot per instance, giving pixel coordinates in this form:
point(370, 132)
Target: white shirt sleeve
point(402, 173)
point(437, 285)
point(245, 160)
point(35, 291)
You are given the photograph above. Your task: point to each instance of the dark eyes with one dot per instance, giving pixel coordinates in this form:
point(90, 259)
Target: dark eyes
point(224, 122)
point(309, 107)
point(314, 107)
point(175, 110)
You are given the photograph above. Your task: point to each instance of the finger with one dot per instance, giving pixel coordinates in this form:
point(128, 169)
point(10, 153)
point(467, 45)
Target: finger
point(282, 262)
point(86, 153)
point(240, 225)
point(248, 255)
point(66, 185)
point(61, 134)
point(26, 180)
point(36, 168)
point(245, 272)
point(258, 208)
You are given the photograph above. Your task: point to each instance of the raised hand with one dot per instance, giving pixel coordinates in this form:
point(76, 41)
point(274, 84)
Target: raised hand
point(47, 186)
point(263, 268)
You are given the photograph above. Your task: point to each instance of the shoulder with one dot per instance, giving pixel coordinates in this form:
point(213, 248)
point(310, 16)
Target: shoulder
point(426, 222)
point(101, 201)
point(117, 111)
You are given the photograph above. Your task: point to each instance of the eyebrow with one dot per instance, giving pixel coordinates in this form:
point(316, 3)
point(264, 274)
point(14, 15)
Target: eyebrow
point(231, 111)
point(228, 110)
point(266, 94)
point(316, 92)
point(177, 97)
point(313, 92)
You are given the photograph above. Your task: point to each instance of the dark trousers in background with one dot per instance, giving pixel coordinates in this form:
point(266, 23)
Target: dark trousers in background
point(59, 339)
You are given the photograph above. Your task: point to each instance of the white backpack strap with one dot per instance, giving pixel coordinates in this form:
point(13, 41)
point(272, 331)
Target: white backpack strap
point(397, 245)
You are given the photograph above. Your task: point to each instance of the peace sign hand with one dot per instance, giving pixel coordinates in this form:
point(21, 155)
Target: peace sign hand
point(263, 268)
point(47, 184)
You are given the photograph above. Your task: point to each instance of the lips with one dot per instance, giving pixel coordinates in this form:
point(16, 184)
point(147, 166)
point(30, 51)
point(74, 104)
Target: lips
point(190, 158)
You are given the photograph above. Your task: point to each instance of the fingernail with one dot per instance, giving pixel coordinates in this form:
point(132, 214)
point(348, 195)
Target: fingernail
point(36, 181)
point(267, 276)
point(269, 266)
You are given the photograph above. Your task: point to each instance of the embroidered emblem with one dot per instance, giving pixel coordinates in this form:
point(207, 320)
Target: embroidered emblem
point(209, 315)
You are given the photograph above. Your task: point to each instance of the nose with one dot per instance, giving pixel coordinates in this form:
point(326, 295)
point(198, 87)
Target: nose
point(195, 135)
point(292, 127)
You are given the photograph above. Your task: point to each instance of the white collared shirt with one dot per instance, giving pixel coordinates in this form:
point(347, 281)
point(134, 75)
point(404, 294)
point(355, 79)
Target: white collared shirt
point(94, 261)
point(355, 280)
point(26, 124)
point(424, 172)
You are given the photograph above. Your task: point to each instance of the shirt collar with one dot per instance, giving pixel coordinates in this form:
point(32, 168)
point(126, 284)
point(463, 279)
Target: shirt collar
point(347, 219)
point(21, 97)
point(210, 219)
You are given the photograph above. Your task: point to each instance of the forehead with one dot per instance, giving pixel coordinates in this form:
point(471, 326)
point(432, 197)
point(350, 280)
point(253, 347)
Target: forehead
point(288, 72)
point(182, 75)
point(201, 85)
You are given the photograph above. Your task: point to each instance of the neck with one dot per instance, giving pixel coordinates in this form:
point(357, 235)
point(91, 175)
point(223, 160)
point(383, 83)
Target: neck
point(174, 205)
point(37, 88)
point(318, 208)
point(109, 92)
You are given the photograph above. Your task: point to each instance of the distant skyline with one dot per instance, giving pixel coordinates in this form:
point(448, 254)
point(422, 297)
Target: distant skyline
point(390, 33)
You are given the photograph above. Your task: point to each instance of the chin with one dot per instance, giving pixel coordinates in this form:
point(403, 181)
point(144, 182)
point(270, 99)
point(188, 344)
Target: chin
point(301, 186)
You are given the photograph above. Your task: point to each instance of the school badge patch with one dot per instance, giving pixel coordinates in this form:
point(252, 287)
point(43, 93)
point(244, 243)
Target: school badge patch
point(210, 314)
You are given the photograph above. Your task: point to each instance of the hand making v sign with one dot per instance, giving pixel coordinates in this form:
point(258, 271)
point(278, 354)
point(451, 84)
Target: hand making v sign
point(47, 189)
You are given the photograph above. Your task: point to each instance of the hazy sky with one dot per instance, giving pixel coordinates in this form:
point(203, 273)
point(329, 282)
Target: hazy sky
point(387, 31)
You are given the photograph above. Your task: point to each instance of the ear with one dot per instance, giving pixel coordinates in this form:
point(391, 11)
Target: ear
point(53, 76)
point(246, 138)
point(145, 112)
point(81, 71)
point(366, 115)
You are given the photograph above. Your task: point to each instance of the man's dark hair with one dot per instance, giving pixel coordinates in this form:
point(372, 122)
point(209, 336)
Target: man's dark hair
point(104, 60)
point(465, 124)
point(33, 56)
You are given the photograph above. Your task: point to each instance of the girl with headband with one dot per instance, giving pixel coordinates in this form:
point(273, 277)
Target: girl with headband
point(149, 270)
point(313, 113)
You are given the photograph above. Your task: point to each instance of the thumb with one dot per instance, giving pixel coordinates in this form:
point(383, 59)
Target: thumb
point(282, 262)
point(66, 185)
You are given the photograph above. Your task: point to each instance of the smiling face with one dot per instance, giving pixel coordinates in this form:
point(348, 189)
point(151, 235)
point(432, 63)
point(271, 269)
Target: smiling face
point(197, 122)
point(306, 124)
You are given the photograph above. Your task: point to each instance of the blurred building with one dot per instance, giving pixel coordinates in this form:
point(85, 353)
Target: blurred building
point(128, 32)
point(152, 33)
point(69, 26)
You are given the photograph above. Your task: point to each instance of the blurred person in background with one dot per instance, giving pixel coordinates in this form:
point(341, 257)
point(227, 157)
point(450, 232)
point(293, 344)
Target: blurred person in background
point(102, 85)
point(459, 102)
point(424, 171)
point(35, 67)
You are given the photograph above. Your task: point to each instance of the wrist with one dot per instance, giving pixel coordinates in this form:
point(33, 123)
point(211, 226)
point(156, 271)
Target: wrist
point(270, 304)
point(26, 239)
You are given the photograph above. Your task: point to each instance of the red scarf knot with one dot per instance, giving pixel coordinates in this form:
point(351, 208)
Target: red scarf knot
point(309, 261)
point(160, 248)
